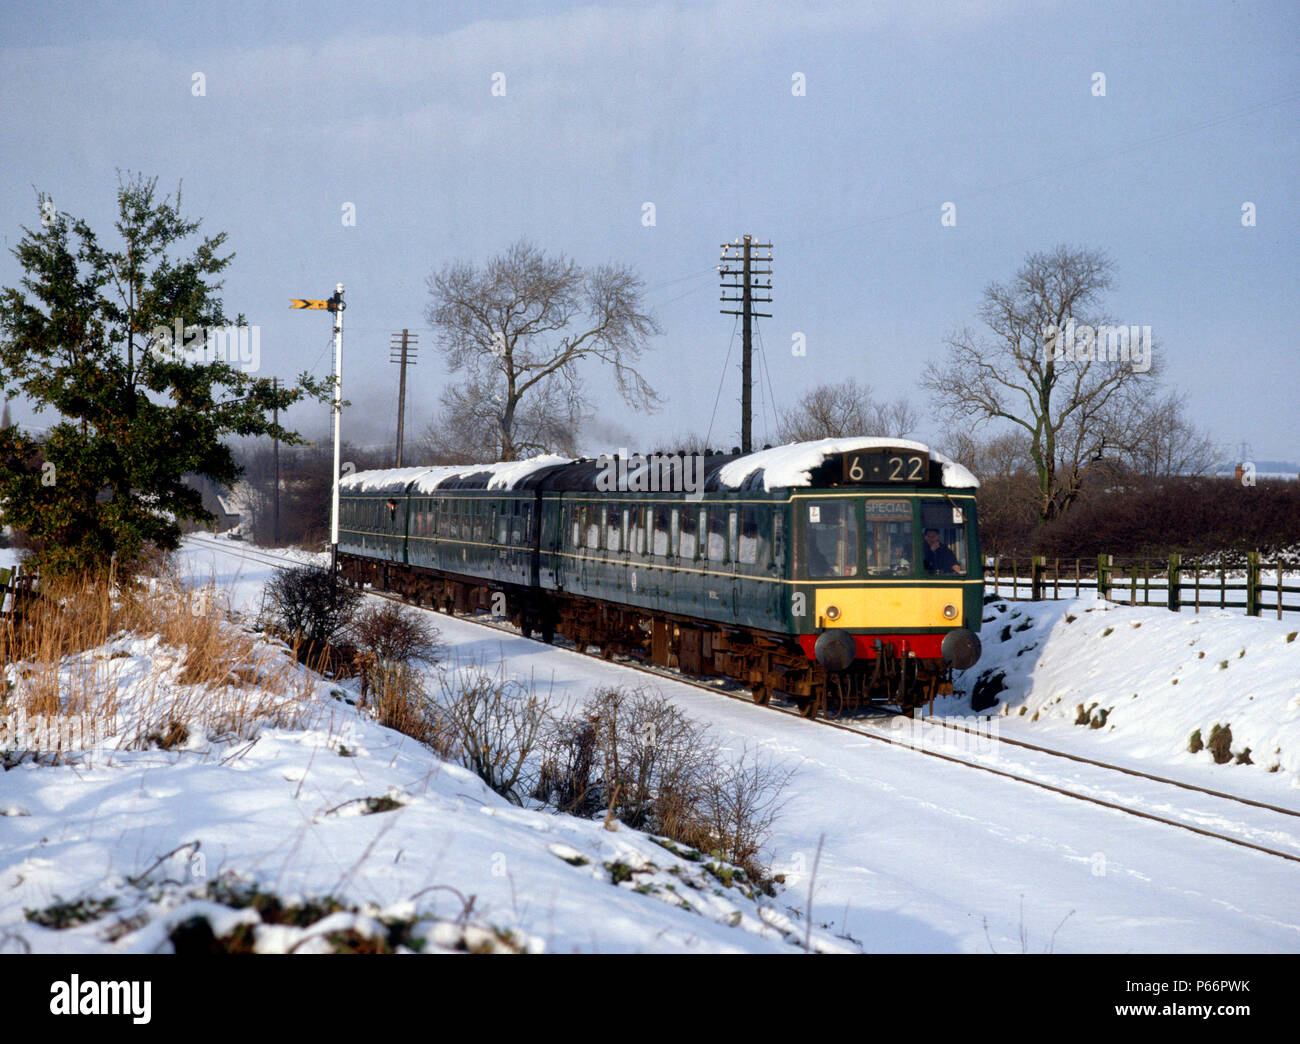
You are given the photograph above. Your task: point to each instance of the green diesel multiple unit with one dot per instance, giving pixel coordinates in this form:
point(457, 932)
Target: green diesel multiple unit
point(827, 573)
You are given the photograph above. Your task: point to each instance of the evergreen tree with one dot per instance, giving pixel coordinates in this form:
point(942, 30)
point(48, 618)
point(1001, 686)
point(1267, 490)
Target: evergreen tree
point(92, 337)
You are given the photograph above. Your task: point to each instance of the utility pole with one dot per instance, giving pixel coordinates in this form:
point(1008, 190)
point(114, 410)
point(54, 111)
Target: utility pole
point(402, 352)
point(275, 456)
point(741, 252)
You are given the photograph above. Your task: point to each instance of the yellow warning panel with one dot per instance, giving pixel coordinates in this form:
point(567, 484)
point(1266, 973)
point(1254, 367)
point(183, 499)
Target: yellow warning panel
point(874, 608)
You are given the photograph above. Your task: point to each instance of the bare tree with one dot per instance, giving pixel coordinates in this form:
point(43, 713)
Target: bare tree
point(833, 411)
point(466, 431)
point(521, 325)
point(1165, 443)
point(1075, 411)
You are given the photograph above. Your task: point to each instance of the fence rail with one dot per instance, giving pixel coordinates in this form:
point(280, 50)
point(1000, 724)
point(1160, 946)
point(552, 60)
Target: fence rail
point(1169, 583)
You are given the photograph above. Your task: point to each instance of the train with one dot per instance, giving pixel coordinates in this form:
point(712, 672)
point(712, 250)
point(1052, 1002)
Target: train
point(831, 574)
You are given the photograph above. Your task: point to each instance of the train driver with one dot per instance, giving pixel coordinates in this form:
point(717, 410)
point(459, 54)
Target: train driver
point(938, 556)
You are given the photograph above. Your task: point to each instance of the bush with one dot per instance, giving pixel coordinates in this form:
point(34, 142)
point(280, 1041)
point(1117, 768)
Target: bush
point(654, 768)
point(566, 779)
point(311, 605)
point(389, 632)
point(491, 725)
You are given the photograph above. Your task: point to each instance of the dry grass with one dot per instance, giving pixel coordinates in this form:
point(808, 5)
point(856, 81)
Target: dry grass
point(69, 658)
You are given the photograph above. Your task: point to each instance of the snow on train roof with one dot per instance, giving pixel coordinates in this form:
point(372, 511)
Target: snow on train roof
point(789, 466)
point(782, 467)
point(503, 475)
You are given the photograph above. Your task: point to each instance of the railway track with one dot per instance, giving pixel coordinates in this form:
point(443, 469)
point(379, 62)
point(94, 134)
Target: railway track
point(915, 743)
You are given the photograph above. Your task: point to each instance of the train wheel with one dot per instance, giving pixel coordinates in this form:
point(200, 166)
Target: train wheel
point(762, 694)
point(808, 708)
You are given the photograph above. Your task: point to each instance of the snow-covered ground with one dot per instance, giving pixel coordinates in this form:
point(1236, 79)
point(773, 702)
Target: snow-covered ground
point(909, 853)
point(1141, 681)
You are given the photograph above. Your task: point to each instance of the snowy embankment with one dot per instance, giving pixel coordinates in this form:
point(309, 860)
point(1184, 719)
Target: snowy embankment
point(900, 852)
point(1146, 685)
point(243, 818)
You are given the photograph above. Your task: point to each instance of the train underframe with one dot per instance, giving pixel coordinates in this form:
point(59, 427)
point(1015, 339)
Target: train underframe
point(769, 665)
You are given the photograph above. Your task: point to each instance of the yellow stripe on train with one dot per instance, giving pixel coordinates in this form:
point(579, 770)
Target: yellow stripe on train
point(873, 608)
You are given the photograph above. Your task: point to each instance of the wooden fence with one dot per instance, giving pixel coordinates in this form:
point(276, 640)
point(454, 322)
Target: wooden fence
point(1258, 587)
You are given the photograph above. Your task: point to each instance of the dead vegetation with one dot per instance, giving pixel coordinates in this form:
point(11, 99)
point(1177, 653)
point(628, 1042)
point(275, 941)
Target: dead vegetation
point(74, 650)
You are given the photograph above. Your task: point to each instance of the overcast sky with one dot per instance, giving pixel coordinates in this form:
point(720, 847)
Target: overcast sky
point(689, 106)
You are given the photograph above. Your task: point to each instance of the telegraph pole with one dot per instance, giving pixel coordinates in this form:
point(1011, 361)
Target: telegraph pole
point(402, 352)
point(741, 252)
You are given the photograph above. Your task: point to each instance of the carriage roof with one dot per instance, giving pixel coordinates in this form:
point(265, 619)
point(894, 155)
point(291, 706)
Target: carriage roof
point(794, 466)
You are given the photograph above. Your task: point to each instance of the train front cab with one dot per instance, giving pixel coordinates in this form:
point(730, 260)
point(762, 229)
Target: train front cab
point(899, 569)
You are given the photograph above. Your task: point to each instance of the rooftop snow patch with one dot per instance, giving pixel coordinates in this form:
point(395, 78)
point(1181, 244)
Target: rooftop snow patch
point(504, 475)
point(784, 467)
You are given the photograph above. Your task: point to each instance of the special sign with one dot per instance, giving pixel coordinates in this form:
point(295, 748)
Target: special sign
point(886, 467)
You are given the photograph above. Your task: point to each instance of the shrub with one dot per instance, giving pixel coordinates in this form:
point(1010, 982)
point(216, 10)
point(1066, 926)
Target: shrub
point(491, 725)
point(566, 777)
point(389, 634)
point(311, 605)
point(654, 768)
point(741, 802)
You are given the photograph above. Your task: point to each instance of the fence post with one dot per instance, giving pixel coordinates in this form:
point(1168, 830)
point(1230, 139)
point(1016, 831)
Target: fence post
point(1103, 575)
point(1175, 580)
point(1252, 583)
point(1037, 566)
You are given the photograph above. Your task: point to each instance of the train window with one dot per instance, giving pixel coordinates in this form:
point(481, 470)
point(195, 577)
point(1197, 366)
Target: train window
point(887, 537)
point(637, 533)
point(830, 538)
point(943, 538)
point(733, 532)
point(750, 537)
point(688, 532)
point(626, 528)
point(717, 534)
point(661, 536)
point(613, 528)
point(778, 538)
point(502, 524)
point(591, 526)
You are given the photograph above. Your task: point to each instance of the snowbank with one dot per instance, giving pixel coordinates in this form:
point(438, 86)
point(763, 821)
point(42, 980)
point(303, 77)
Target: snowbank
point(1145, 681)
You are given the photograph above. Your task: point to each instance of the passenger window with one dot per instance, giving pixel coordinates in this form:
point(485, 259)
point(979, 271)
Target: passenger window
point(661, 545)
point(613, 528)
point(717, 535)
point(830, 538)
point(749, 534)
point(591, 526)
point(687, 533)
point(638, 531)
